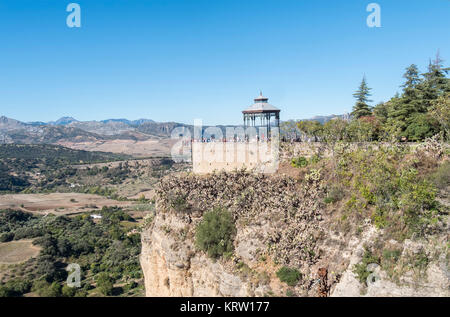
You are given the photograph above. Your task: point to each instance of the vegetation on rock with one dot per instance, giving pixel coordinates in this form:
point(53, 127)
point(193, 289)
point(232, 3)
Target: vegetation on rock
point(215, 233)
point(290, 276)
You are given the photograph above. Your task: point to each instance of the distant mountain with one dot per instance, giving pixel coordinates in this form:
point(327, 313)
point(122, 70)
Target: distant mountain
point(324, 119)
point(63, 121)
point(141, 121)
point(125, 121)
point(129, 122)
point(37, 123)
point(71, 130)
point(159, 128)
point(48, 134)
point(8, 124)
point(102, 128)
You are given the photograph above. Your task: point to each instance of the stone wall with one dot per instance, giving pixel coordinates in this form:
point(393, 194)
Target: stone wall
point(228, 156)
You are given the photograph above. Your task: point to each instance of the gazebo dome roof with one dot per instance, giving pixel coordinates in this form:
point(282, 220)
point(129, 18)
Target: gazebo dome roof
point(261, 105)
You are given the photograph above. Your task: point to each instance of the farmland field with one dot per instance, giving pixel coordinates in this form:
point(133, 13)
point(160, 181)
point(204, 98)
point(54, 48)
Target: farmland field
point(14, 252)
point(57, 203)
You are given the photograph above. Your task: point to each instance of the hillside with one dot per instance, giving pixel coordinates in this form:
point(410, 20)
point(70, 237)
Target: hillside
point(22, 165)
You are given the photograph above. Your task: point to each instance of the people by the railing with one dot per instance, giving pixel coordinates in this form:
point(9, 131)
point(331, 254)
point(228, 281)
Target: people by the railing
point(235, 139)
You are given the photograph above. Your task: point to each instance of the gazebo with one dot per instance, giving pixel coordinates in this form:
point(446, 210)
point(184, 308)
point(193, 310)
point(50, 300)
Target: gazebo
point(260, 113)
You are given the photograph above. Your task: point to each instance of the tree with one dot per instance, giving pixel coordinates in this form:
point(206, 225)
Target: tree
point(289, 130)
point(105, 283)
point(381, 112)
point(68, 291)
point(311, 128)
point(335, 130)
point(436, 82)
point(405, 106)
point(215, 233)
point(420, 126)
point(362, 95)
point(363, 129)
point(45, 289)
point(412, 79)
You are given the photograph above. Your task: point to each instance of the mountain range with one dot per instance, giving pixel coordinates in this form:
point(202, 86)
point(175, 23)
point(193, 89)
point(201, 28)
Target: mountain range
point(68, 129)
point(71, 130)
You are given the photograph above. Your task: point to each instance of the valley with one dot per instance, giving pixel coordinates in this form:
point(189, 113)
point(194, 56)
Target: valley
point(60, 206)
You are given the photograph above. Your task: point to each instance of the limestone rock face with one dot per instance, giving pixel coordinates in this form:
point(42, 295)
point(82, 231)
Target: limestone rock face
point(279, 222)
point(171, 269)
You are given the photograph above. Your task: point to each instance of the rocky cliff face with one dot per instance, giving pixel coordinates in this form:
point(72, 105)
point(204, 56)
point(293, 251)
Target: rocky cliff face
point(172, 268)
point(280, 221)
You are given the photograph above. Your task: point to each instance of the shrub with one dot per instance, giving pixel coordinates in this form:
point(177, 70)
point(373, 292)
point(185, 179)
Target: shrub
point(44, 289)
point(290, 293)
point(290, 276)
point(215, 233)
point(15, 287)
point(179, 203)
point(315, 159)
point(68, 291)
point(6, 237)
point(360, 269)
point(335, 193)
point(105, 283)
point(386, 185)
point(441, 177)
point(300, 161)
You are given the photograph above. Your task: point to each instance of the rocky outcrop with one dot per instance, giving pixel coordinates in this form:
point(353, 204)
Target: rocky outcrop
point(173, 268)
point(280, 221)
point(272, 221)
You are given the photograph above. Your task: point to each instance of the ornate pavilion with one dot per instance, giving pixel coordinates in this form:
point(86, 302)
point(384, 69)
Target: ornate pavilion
point(260, 114)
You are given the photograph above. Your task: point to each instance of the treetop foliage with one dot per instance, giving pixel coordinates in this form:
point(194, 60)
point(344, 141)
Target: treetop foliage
point(420, 111)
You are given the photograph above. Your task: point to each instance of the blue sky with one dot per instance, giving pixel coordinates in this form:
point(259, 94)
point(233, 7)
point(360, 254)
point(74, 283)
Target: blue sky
point(176, 60)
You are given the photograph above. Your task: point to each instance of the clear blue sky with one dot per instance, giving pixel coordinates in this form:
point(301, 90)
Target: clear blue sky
point(176, 60)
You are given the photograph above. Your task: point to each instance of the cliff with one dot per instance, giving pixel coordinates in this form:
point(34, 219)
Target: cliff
point(281, 221)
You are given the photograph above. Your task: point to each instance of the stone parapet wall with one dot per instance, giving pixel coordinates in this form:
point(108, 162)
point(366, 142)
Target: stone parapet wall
point(265, 157)
point(230, 156)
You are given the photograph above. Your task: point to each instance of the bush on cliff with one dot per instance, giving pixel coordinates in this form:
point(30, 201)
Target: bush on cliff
point(299, 162)
point(215, 233)
point(289, 276)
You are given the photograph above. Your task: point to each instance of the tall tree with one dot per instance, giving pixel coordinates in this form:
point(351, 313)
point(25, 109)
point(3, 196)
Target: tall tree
point(361, 108)
point(410, 102)
point(412, 80)
point(436, 83)
point(311, 128)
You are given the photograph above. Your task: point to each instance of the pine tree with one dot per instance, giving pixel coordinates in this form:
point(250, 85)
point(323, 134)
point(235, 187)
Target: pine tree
point(361, 108)
point(410, 101)
point(412, 80)
point(436, 83)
